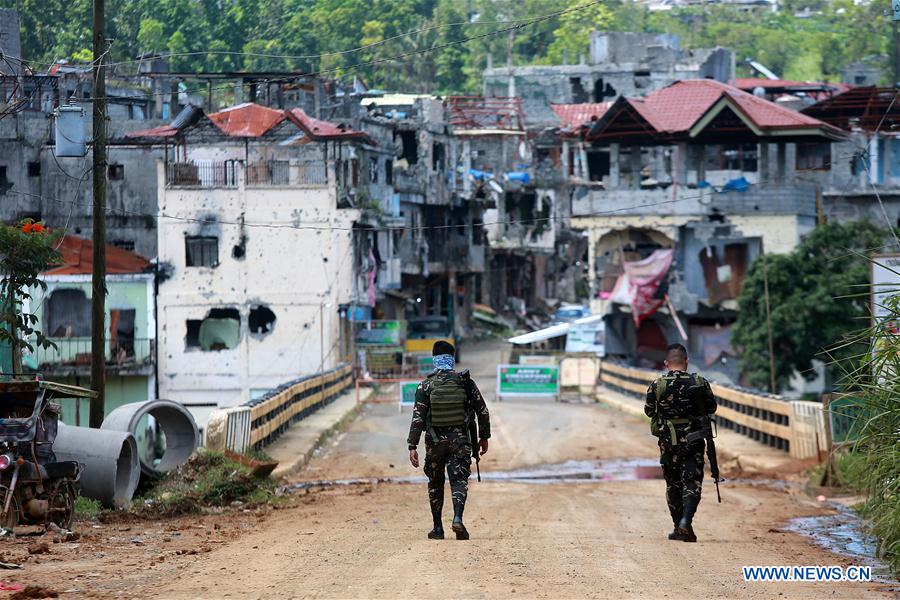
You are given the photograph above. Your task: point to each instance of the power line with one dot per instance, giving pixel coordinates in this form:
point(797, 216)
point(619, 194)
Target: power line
point(301, 227)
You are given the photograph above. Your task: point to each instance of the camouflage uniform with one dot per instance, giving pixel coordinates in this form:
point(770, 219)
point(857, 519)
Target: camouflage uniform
point(449, 448)
point(674, 414)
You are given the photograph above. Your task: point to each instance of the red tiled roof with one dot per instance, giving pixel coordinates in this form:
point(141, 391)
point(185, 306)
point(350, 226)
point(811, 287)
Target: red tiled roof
point(247, 120)
point(749, 83)
point(676, 109)
point(78, 253)
point(318, 129)
point(576, 115)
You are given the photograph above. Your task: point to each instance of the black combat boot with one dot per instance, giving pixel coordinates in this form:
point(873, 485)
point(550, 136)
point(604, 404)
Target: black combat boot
point(437, 533)
point(458, 528)
point(685, 530)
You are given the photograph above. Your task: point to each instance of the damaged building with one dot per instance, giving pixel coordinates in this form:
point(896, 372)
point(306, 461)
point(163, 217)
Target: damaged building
point(440, 235)
point(256, 252)
point(619, 64)
point(698, 180)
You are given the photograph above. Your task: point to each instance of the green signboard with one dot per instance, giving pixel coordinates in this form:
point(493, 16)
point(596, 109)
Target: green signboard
point(407, 393)
point(380, 333)
point(527, 380)
point(846, 414)
point(424, 364)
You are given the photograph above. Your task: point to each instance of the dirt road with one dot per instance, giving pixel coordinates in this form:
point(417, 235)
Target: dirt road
point(549, 539)
point(531, 540)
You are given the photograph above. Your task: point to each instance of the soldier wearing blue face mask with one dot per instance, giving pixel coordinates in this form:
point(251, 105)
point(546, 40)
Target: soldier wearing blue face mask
point(447, 406)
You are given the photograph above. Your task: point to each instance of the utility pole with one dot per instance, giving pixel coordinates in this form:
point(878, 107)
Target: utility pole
point(895, 16)
point(98, 295)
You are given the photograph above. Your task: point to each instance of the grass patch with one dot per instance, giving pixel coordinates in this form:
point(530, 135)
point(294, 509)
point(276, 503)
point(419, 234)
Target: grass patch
point(207, 480)
point(85, 508)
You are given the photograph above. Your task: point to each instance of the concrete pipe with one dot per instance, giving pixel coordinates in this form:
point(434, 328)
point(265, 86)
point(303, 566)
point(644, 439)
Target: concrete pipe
point(175, 421)
point(110, 458)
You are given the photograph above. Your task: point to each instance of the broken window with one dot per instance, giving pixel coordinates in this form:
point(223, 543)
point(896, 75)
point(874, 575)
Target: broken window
point(641, 79)
point(124, 244)
point(34, 169)
point(261, 319)
point(373, 169)
point(579, 94)
point(121, 333)
point(814, 157)
point(603, 90)
point(437, 157)
point(388, 171)
point(598, 164)
point(732, 157)
point(410, 147)
point(220, 330)
point(116, 172)
point(5, 184)
point(201, 251)
point(68, 314)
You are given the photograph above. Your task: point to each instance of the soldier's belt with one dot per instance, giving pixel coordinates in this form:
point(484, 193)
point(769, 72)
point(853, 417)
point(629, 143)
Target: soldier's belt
point(671, 423)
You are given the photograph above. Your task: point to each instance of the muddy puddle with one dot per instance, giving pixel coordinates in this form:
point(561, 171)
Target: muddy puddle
point(572, 471)
point(843, 533)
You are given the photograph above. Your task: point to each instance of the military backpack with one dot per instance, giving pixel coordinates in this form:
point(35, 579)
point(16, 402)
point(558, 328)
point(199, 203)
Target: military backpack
point(448, 400)
point(657, 423)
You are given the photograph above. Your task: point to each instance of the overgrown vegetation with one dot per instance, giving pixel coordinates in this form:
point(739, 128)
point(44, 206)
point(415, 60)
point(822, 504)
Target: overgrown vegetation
point(873, 465)
point(818, 293)
point(207, 480)
point(805, 39)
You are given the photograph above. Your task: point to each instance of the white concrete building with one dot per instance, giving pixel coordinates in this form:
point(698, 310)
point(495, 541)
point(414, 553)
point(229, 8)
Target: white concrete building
point(255, 259)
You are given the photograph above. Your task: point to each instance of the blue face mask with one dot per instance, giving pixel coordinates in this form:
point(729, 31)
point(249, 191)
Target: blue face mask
point(444, 362)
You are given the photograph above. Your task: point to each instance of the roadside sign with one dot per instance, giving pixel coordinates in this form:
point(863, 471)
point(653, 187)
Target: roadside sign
point(530, 380)
point(845, 414)
point(589, 336)
point(380, 333)
point(896, 6)
point(537, 359)
point(407, 393)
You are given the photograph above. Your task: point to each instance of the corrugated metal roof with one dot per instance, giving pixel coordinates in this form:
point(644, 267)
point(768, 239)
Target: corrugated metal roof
point(78, 254)
point(576, 115)
point(247, 120)
point(318, 129)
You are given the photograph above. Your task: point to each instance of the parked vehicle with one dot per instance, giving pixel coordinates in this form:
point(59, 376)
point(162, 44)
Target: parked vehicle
point(570, 312)
point(423, 332)
point(35, 489)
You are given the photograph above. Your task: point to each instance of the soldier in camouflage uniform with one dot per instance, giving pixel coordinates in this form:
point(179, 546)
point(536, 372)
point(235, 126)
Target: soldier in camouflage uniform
point(674, 413)
point(447, 402)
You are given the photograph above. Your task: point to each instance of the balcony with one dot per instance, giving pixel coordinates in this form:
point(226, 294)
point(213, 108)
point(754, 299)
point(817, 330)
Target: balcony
point(124, 356)
point(760, 199)
point(230, 174)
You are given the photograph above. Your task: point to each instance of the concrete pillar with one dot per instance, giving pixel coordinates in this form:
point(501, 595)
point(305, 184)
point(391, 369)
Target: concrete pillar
point(887, 156)
point(679, 164)
point(780, 162)
point(592, 264)
point(700, 157)
point(763, 163)
point(581, 166)
point(634, 158)
point(613, 166)
point(874, 160)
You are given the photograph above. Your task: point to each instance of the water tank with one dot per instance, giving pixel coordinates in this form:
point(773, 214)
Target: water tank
point(71, 133)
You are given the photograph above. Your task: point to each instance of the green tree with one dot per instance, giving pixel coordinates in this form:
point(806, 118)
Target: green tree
point(572, 37)
point(26, 250)
point(818, 295)
point(151, 36)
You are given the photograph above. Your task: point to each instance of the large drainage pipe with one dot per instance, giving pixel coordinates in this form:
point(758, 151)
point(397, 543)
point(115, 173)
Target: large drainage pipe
point(175, 421)
point(110, 458)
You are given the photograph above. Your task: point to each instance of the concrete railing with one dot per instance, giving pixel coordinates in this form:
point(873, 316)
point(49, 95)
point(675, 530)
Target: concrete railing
point(794, 426)
point(260, 422)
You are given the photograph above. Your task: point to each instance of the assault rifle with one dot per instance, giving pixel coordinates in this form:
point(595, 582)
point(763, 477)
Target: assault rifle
point(708, 431)
point(472, 422)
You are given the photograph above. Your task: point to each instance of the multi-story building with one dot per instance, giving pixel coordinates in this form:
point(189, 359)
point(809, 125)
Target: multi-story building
point(63, 311)
point(256, 253)
point(700, 176)
point(619, 64)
